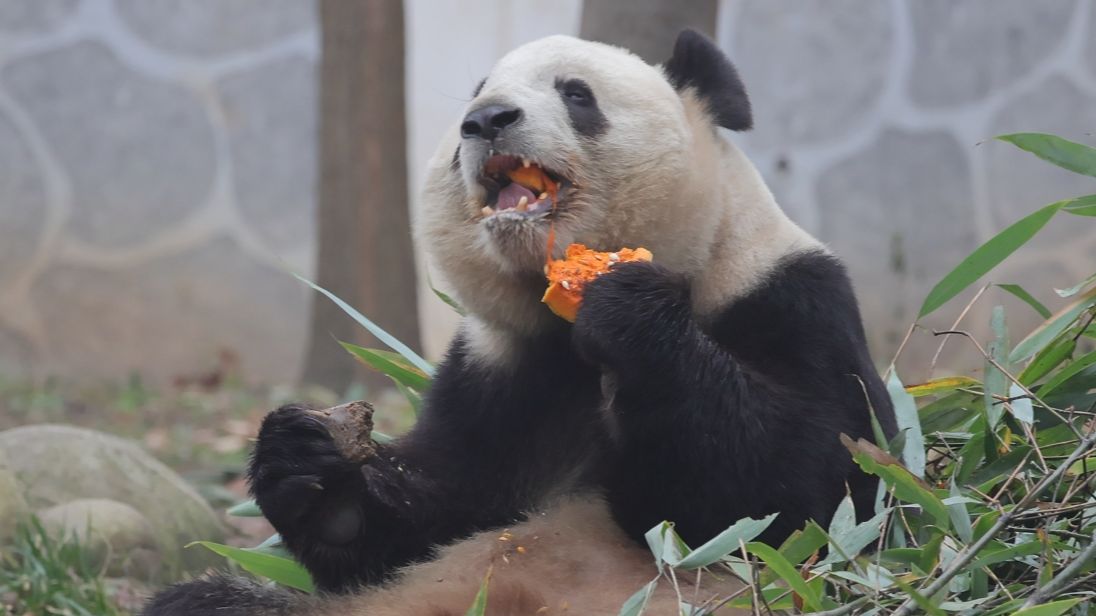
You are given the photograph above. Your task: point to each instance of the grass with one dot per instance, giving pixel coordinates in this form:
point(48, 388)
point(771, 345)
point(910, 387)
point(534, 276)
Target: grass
point(44, 575)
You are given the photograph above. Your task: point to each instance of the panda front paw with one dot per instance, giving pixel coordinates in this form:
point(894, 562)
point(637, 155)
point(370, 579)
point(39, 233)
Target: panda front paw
point(302, 483)
point(632, 318)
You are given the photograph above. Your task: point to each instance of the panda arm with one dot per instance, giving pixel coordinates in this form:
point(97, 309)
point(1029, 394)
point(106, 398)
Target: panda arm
point(739, 417)
point(490, 440)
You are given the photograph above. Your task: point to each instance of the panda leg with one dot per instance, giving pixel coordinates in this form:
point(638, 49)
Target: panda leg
point(223, 595)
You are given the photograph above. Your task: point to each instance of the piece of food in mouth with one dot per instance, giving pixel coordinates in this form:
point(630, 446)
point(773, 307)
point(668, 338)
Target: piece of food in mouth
point(519, 185)
point(568, 276)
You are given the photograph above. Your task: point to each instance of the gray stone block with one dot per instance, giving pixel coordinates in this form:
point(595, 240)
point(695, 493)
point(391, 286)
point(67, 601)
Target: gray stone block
point(33, 16)
point(60, 464)
point(173, 316)
point(139, 152)
point(812, 68)
point(1019, 183)
point(210, 27)
point(23, 204)
point(271, 117)
point(899, 213)
point(965, 50)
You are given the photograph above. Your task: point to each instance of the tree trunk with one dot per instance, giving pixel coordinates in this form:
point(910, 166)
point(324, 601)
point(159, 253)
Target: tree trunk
point(647, 27)
point(364, 244)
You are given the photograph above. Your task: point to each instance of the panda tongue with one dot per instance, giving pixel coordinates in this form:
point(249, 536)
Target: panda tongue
point(511, 194)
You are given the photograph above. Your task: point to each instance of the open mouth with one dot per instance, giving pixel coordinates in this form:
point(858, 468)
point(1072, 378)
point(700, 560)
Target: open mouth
point(517, 185)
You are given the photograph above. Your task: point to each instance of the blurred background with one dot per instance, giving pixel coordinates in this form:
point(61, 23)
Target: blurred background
point(164, 162)
point(165, 165)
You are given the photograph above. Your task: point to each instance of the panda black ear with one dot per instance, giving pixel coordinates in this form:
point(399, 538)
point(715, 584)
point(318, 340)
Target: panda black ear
point(697, 63)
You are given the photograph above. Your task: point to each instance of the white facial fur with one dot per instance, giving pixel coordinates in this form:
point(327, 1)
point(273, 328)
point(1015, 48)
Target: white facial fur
point(659, 176)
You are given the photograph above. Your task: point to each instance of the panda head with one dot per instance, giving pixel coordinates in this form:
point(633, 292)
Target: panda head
point(632, 151)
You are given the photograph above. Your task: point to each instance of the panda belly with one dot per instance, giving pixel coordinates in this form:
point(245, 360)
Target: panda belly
point(570, 559)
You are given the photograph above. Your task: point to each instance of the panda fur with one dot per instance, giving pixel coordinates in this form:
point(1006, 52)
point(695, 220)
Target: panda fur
point(707, 386)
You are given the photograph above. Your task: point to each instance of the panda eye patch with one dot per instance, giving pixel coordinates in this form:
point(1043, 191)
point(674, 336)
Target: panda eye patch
point(582, 107)
point(576, 91)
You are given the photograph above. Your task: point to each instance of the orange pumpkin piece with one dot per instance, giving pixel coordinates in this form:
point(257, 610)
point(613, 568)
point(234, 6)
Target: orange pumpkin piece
point(568, 276)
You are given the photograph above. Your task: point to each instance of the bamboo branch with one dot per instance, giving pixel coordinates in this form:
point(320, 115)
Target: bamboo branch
point(1055, 585)
point(967, 555)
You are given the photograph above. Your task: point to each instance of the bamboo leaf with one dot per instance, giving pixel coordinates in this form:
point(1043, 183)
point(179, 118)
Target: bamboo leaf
point(388, 339)
point(637, 602)
point(1049, 330)
point(987, 256)
point(724, 543)
point(1027, 298)
point(941, 385)
point(479, 605)
point(391, 365)
point(1076, 157)
point(247, 509)
point(1054, 608)
point(1063, 375)
point(907, 486)
point(788, 573)
point(282, 570)
point(905, 411)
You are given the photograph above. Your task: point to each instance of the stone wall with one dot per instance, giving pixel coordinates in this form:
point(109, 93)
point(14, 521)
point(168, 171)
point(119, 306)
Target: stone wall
point(157, 157)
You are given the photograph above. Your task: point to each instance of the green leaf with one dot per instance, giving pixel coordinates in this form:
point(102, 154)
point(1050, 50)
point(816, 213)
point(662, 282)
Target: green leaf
point(666, 546)
point(997, 553)
point(636, 603)
point(247, 509)
point(391, 365)
point(960, 517)
point(388, 339)
point(996, 385)
point(788, 573)
point(1028, 298)
point(798, 547)
point(941, 385)
point(905, 412)
point(1075, 289)
point(1020, 405)
point(1054, 608)
point(479, 604)
point(986, 257)
point(907, 487)
point(921, 600)
point(848, 543)
point(1076, 157)
point(1056, 324)
point(449, 301)
point(1047, 359)
point(725, 542)
point(1081, 206)
point(412, 396)
point(284, 571)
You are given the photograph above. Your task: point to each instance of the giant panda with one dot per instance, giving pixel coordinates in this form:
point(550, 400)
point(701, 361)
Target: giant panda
point(709, 385)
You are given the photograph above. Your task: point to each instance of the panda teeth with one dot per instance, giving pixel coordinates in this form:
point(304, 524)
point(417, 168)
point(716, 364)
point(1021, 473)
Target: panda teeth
point(523, 204)
point(525, 163)
point(487, 210)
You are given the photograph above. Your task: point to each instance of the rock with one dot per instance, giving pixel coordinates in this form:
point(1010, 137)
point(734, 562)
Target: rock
point(113, 535)
point(214, 296)
point(812, 69)
point(59, 464)
point(23, 206)
point(33, 16)
point(211, 28)
point(965, 50)
point(1019, 183)
point(13, 506)
point(899, 213)
point(139, 152)
point(271, 119)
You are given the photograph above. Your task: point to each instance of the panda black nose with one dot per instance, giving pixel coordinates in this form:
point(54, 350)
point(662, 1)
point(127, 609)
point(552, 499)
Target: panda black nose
point(487, 122)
